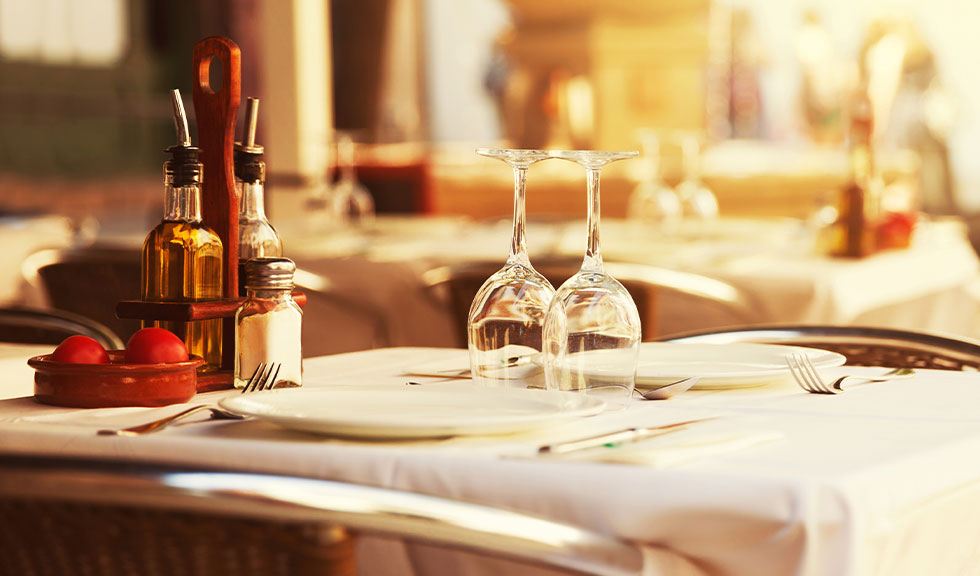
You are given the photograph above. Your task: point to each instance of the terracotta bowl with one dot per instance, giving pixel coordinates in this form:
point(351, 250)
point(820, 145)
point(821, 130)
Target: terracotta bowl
point(113, 384)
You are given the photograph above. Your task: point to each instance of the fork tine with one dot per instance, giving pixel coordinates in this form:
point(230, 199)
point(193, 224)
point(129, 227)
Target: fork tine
point(805, 374)
point(815, 378)
point(270, 380)
point(815, 385)
point(254, 380)
point(794, 368)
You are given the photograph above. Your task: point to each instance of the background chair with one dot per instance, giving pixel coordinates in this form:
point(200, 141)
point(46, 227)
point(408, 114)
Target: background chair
point(30, 326)
point(668, 301)
point(68, 517)
point(88, 282)
point(862, 346)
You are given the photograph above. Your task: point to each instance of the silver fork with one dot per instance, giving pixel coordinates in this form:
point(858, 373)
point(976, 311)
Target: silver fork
point(809, 379)
point(264, 378)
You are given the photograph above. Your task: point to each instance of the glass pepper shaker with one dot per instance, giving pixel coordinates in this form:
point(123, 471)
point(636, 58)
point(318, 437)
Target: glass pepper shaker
point(268, 325)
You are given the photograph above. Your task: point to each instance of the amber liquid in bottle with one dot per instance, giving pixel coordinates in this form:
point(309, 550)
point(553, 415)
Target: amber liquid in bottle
point(182, 262)
point(854, 232)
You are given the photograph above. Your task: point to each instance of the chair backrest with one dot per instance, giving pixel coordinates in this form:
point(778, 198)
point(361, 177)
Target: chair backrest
point(66, 517)
point(863, 346)
point(337, 320)
point(667, 300)
point(31, 326)
point(89, 282)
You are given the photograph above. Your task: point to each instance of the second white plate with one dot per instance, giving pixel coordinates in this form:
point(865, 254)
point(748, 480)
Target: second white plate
point(722, 365)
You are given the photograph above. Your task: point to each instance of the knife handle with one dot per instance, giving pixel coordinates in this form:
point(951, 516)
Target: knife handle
point(613, 439)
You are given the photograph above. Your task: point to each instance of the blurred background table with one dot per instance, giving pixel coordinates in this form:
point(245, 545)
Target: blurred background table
point(384, 284)
point(769, 264)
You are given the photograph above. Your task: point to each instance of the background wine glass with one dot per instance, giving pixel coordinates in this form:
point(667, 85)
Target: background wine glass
point(350, 200)
point(506, 319)
point(653, 203)
point(697, 200)
point(592, 330)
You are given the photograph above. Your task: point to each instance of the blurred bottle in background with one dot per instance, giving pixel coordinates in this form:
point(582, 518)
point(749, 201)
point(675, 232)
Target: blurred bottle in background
point(853, 234)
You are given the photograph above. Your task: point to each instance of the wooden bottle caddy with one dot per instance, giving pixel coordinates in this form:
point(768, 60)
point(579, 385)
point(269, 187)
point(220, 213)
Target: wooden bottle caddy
point(216, 112)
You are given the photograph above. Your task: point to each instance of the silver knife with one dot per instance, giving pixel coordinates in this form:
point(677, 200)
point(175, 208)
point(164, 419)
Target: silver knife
point(613, 439)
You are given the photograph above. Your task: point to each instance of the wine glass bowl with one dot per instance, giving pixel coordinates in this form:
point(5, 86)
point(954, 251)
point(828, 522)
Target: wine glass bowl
point(350, 201)
point(592, 329)
point(697, 200)
point(506, 319)
point(653, 202)
point(505, 324)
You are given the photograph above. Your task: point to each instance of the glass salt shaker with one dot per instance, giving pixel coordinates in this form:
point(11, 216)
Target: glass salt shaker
point(268, 325)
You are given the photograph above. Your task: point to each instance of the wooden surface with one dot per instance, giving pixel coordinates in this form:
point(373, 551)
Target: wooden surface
point(187, 311)
point(216, 112)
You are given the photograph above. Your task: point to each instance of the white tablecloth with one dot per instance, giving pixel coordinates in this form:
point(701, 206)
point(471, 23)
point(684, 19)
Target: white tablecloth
point(881, 480)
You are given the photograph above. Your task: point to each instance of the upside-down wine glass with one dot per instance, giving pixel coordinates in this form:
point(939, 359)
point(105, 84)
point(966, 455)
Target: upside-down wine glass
point(653, 204)
point(592, 330)
point(697, 200)
point(506, 320)
point(351, 202)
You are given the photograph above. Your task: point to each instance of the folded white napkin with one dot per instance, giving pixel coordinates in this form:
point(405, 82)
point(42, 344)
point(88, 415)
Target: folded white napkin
point(685, 447)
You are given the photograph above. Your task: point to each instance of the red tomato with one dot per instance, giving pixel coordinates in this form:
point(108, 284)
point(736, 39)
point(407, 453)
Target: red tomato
point(80, 349)
point(154, 346)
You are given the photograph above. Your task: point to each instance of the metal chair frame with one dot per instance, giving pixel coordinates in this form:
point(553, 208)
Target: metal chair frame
point(35, 326)
point(862, 345)
point(280, 500)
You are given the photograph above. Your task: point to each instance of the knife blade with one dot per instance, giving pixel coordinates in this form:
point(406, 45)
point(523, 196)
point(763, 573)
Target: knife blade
point(617, 437)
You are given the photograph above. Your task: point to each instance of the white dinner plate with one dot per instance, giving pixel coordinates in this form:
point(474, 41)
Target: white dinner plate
point(405, 412)
point(723, 365)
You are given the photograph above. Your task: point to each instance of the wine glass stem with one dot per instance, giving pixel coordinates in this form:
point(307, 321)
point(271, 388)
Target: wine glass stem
point(593, 256)
point(518, 248)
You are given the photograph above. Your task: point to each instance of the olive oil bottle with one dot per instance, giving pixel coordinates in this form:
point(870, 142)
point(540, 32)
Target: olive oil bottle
point(182, 258)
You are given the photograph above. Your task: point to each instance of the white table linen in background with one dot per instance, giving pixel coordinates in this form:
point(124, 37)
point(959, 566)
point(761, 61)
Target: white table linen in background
point(881, 480)
point(20, 237)
point(367, 289)
point(934, 285)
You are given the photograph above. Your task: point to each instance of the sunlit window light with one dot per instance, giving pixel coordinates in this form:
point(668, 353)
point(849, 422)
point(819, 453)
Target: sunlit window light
point(64, 32)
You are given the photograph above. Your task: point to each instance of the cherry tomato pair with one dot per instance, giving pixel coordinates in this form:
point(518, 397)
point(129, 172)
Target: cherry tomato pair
point(148, 346)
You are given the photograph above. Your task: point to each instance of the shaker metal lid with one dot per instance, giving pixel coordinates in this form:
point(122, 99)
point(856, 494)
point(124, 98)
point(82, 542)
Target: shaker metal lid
point(272, 272)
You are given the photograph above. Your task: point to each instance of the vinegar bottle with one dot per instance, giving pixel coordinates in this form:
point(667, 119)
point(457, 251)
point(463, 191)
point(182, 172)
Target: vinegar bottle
point(256, 237)
point(182, 258)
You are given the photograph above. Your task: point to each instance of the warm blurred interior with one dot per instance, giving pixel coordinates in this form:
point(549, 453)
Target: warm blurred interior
point(761, 89)
point(422, 82)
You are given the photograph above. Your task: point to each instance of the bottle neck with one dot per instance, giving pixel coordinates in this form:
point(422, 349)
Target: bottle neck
point(862, 159)
point(861, 136)
point(182, 203)
point(252, 204)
